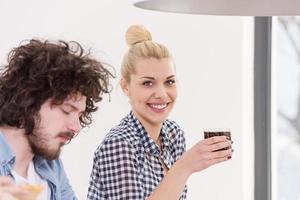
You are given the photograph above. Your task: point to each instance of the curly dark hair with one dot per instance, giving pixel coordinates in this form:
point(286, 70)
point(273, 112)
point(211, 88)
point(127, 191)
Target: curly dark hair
point(42, 70)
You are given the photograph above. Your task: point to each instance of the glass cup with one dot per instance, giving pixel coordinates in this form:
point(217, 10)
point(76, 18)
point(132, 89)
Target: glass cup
point(211, 132)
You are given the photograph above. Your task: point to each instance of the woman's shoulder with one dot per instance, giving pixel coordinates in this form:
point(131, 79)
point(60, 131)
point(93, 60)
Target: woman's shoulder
point(120, 132)
point(123, 134)
point(172, 126)
point(174, 131)
point(175, 136)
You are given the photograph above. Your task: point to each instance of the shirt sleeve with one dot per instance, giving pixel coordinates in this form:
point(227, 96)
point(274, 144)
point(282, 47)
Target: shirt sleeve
point(179, 148)
point(177, 140)
point(181, 144)
point(115, 172)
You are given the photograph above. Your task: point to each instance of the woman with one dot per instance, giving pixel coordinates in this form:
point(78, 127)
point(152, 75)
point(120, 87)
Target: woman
point(144, 156)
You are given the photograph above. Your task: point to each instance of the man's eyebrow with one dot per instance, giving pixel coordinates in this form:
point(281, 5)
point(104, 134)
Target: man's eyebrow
point(73, 107)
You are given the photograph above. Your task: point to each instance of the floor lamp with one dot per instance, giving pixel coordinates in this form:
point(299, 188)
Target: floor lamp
point(262, 11)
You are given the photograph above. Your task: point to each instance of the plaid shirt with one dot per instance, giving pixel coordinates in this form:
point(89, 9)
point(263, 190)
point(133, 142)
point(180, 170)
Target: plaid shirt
point(127, 163)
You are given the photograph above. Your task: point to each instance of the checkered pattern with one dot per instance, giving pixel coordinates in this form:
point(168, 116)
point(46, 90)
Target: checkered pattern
point(127, 163)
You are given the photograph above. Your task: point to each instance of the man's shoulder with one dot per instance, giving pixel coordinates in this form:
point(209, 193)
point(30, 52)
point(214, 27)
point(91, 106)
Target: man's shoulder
point(44, 165)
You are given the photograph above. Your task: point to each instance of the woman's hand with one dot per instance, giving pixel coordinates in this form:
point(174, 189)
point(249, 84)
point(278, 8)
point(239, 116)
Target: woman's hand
point(204, 154)
point(10, 191)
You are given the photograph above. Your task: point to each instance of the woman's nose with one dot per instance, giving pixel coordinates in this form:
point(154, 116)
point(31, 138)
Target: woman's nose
point(160, 92)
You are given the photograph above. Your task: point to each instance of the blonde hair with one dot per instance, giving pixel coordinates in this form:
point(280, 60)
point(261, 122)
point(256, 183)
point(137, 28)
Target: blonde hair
point(141, 46)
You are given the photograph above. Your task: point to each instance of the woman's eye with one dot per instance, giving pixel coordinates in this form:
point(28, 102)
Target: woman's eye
point(147, 83)
point(171, 82)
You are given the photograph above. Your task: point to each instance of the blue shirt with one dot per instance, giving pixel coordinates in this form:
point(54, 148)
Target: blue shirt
point(52, 171)
point(128, 163)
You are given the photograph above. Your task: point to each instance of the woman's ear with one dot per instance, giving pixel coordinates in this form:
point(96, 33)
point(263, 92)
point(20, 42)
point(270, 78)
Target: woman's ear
point(124, 86)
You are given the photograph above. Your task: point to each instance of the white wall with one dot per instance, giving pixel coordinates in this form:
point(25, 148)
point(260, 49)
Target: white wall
point(213, 57)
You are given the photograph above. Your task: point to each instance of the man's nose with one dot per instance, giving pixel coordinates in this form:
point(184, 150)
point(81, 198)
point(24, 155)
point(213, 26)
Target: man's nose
point(74, 125)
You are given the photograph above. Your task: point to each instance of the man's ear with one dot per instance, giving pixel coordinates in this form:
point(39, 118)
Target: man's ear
point(124, 86)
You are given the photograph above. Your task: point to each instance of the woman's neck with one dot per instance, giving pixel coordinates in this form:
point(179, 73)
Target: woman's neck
point(152, 129)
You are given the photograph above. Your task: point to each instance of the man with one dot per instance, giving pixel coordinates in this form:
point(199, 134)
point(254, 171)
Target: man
point(48, 92)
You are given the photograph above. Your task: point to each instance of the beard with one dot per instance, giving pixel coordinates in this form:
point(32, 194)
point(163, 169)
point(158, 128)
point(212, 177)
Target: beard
point(40, 145)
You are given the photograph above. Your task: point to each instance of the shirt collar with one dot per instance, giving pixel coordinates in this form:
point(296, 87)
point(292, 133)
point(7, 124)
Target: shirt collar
point(7, 156)
point(168, 134)
point(146, 140)
point(148, 143)
point(165, 135)
point(8, 159)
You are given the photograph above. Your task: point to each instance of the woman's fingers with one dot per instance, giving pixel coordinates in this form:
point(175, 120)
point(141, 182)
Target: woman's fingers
point(214, 144)
point(216, 161)
point(219, 146)
point(210, 158)
point(214, 150)
point(216, 154)
point(206, 153)
point(213, 140)
point(222, 154)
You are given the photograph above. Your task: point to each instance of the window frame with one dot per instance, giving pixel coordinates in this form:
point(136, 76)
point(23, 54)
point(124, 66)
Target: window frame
point(262, 108)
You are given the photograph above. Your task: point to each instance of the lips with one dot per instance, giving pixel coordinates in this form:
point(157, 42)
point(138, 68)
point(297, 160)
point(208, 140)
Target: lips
point(158, 107)
point(66, 136)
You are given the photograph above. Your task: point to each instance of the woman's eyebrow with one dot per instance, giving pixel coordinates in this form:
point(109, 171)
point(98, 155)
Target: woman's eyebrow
point(147, 77)
point(172, 76)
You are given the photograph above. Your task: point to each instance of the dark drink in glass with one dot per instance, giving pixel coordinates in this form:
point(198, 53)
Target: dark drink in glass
point(217, 132)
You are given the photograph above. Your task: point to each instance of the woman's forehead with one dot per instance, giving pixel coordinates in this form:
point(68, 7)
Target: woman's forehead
point(154, 67)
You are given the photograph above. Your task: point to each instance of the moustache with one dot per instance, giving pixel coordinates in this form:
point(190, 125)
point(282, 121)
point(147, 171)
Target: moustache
point(69, 135)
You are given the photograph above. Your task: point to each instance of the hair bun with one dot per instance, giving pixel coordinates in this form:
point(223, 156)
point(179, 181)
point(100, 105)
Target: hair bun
point(136, 34)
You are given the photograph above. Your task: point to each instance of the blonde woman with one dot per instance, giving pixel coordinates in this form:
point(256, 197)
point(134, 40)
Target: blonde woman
point(144, 156)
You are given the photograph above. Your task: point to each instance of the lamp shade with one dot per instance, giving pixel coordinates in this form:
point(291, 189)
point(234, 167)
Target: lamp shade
point(225, 7)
